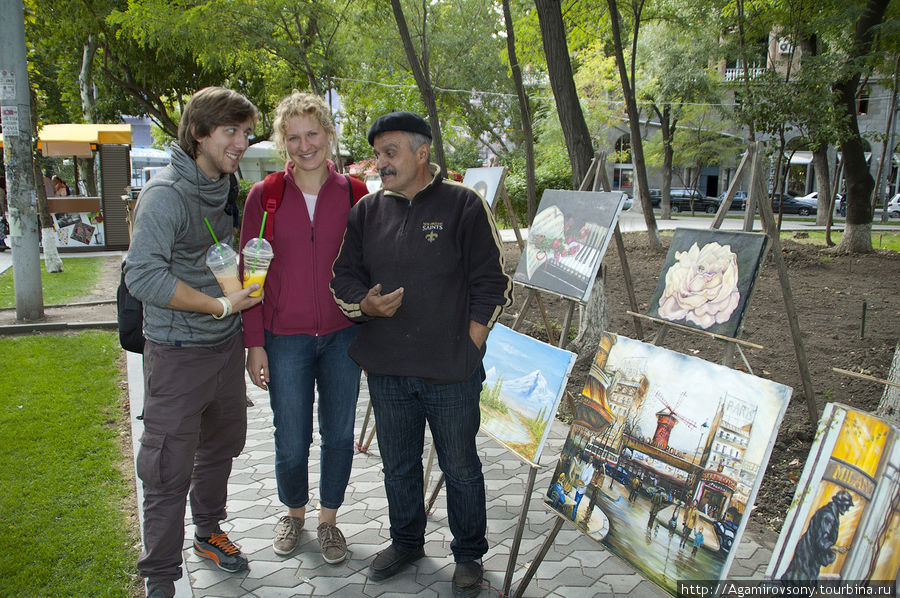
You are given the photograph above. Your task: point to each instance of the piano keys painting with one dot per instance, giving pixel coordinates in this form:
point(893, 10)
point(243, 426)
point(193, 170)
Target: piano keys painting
point(567, 240)
point(707, 279)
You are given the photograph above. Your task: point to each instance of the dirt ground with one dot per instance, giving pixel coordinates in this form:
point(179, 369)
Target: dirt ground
point(828, 291)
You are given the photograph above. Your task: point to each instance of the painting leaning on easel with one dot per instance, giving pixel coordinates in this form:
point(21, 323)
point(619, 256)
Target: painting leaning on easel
point(844, 521)
point(486, 180)
point(524, 382)
point(567, 240)
point(665, 457)
point(707, 279)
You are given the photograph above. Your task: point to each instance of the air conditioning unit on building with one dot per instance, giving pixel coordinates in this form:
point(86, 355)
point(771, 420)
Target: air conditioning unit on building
point(785, 47)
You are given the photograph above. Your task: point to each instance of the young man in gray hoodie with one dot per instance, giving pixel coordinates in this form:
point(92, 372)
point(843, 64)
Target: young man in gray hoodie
point(195, 413)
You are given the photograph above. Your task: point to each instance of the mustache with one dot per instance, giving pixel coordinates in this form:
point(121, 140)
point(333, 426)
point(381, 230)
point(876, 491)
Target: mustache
point(386, 171)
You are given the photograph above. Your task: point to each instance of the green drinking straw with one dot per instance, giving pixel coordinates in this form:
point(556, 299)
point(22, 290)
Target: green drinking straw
point(262, 227)
point(219, 245)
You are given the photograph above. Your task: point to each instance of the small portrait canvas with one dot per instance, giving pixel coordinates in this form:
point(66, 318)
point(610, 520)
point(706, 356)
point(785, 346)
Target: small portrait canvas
point(487, 181)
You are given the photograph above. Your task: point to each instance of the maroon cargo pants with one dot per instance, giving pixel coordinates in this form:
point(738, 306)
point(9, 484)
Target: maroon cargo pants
point(195, 424)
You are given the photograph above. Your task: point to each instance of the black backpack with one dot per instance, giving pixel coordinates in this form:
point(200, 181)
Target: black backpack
point(130, 311)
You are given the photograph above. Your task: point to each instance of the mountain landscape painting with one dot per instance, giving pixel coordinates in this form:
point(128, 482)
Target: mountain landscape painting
point(524, 382)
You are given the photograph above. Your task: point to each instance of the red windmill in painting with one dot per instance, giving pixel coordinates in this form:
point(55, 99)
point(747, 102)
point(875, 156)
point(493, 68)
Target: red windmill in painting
point(666, 420)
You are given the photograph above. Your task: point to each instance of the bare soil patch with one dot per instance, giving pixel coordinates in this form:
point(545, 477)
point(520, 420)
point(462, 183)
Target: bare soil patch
point(829, 292)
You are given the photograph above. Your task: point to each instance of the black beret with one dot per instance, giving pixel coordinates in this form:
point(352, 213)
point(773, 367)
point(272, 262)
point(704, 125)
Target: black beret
point(399, 121)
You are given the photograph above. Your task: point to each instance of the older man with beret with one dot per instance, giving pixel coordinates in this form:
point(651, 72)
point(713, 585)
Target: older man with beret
point(421, 268)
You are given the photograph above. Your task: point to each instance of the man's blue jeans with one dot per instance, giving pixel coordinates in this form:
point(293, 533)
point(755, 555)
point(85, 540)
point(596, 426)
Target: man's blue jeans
point(402, 406)
point(297, 364)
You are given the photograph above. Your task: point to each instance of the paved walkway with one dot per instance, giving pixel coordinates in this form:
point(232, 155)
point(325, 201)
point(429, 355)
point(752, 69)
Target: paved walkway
point(574, 567)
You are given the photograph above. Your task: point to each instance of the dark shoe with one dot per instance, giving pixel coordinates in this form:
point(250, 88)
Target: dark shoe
point(219, 549)
point(160, 589)
point(390, 561)
point(467, 578)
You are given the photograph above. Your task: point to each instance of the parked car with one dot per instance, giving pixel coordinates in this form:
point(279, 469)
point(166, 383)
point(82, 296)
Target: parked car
point(738, 203)
point(893, 207)
point(794, 205)
point(680, 200)
point(619, 474)
point(655, 197)
point(725, 532)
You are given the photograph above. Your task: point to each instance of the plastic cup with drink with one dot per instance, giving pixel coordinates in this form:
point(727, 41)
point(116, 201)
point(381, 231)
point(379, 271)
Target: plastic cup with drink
point(223, 261)
point(258, 255)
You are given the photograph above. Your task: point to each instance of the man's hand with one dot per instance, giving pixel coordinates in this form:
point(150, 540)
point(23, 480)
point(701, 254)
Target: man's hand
point(478, 333)
point(241, 300)
point(381, 306)
point(258, 366)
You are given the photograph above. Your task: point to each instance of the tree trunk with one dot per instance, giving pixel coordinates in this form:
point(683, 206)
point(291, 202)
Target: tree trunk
point(594, 320)
point(571, 118)
point(667, 130)
point(634, 125)
point(423, 81)
point(889, 406)
point(52, 262)
point(524, 111)
point(823, 183)
point(49, 238)
point(887, 146)
point(86, 80)
point(859, 182)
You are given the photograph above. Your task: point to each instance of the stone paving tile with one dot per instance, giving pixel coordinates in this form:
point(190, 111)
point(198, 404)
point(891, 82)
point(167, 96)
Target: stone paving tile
point(574, 566)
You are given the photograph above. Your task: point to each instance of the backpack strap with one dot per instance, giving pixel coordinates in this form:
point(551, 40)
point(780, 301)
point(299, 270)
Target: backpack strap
point(349, 189)
point(272, 194)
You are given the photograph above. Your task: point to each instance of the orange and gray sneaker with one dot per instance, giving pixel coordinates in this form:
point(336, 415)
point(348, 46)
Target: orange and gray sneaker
point(219, 549)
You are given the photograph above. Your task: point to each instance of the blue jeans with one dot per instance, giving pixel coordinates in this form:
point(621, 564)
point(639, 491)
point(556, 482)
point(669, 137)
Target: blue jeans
point(297, 364)
point(402, 405)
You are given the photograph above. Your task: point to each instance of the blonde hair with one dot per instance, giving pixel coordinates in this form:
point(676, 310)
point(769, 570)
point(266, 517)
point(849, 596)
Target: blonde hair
point(300, 104)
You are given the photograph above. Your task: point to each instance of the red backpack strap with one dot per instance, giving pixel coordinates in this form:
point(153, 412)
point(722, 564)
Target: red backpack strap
point(272, 194)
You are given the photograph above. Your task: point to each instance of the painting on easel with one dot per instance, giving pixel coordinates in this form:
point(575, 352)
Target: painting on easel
point(707, 279)
point(524, 382)
point(844, 521)
point(665, 457)
point(486, 181)
point(567, 240)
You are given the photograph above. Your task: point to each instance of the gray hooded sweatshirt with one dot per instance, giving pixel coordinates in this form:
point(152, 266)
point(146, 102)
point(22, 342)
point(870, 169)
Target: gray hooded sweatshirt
point(169, 244)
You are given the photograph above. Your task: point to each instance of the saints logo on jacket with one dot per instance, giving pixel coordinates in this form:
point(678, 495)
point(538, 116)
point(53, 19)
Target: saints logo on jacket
point(431, 230)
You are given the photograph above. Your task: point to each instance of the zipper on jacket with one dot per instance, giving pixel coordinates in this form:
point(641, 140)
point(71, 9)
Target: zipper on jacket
point(406, 216)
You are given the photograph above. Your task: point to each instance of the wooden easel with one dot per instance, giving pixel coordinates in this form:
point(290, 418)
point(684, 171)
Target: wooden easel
point(756, 197)
point(594, 178)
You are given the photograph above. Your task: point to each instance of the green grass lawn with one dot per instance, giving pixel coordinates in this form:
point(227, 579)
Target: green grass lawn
point(880, 239)
point(63, 518)
point(79, 275)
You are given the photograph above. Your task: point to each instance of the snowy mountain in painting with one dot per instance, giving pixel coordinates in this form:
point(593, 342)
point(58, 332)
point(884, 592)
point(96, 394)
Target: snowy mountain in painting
point(527, 394)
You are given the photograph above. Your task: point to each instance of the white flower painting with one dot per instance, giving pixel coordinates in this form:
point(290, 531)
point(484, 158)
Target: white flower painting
point(708, 278)
point(702, 286)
